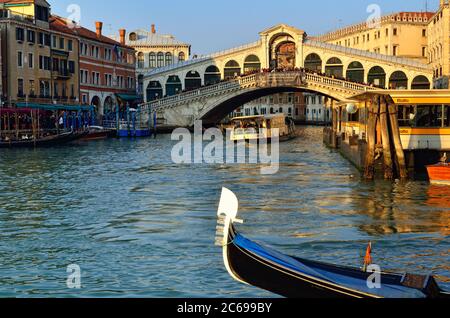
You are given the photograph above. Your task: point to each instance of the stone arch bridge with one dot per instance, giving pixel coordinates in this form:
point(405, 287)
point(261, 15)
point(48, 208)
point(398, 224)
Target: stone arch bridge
point(215, 85)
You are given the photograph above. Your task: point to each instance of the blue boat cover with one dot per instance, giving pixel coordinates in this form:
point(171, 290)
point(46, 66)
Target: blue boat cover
point(353, 283)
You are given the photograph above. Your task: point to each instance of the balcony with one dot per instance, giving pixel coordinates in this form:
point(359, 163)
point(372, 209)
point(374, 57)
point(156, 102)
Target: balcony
point(8, 14)
point(62, 74)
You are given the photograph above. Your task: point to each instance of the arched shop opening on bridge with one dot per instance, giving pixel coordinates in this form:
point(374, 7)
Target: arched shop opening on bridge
point(355, 72)
point(252, 64)
point(334, 67)
point(377, 77)
point(398, 80)
point(108, 106)
point(420, 82)
point(285, 54)
point(212, 75)
point(313, 62)
point(97, 103)
point(154, 90)
point(173, 85)
point(193, 81)
point(232, 70)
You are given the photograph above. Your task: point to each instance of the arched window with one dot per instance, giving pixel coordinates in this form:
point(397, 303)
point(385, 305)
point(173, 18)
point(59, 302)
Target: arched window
point(193, 80)
point(334, 67)
point(355, 72)
point(141, 60)
point(212, 75)
point(152, 59)
point(181, 57)
point(252, 64)
point(377, 76)
point(173, 85)
point(154, 91)
point(169, 59)
point(420, 82)
point(232, 70)
point(313, 62)
point(160, 59)
point(398, 80)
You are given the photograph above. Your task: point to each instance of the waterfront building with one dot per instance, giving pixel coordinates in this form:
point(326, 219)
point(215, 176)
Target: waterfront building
point(154, 50)
point(290, 104)
point(391, 37)
point(107, 67)
point(39, 63)
point(317, 109)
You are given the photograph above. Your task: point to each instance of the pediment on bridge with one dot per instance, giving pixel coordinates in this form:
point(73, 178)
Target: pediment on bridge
point(282, 28)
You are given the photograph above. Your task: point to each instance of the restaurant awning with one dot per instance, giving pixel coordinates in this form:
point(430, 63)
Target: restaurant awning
point(55, 107)
point(128, 97)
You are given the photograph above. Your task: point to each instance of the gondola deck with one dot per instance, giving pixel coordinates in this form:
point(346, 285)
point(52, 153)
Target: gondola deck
point(253, 264)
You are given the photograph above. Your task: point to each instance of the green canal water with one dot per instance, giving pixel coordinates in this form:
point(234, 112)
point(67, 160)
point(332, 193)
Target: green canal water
point(140, 226)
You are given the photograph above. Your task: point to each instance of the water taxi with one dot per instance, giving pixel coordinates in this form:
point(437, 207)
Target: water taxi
point(262, 127)
point(440, 173)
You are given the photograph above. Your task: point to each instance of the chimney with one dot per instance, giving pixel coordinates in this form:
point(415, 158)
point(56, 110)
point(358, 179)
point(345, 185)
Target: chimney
point(122, 33)
point(153, 29)
point(99, 27)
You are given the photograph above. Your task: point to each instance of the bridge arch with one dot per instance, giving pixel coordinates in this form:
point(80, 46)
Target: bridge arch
point(313, 62)
point(173, 85)
point(377, 76)
point(212, 75)
point(334, 67)
point(398, 80)
point(154, 90)
point(232, 69)
point(420, 82)
point(220, 108)
point(355, 72)
point(193, 80)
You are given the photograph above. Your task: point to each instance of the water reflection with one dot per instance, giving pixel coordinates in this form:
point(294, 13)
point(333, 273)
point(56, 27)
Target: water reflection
point(141, 226)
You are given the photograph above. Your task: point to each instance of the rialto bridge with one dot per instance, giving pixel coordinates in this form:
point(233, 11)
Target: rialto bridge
point(211, 87)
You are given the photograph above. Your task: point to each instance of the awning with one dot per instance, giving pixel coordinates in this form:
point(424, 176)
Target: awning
point(55, 107)
point(128, 97)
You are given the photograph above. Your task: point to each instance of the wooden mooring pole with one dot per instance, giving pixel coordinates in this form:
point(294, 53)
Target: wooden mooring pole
point(374, 109)
point(383, 114)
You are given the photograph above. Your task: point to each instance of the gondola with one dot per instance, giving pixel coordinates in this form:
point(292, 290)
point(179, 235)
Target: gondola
point(253, 264)
point(49, 141)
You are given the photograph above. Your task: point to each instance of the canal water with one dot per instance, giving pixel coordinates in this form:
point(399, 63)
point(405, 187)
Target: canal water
point(140, 226)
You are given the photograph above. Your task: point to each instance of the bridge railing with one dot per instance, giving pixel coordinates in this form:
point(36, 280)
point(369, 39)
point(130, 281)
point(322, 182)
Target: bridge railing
point(275, 79)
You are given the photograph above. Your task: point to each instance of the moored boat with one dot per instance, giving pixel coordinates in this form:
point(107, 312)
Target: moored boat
point(439, 173)
point(48, 141)
point(98, 133)
point(253, 264)
point(262, 128)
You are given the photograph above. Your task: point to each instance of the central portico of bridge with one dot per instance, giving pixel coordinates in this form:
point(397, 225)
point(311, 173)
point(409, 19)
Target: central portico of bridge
point(283, 59)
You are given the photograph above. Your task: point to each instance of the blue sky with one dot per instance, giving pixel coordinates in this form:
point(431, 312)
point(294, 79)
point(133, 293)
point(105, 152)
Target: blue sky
point(214, 25)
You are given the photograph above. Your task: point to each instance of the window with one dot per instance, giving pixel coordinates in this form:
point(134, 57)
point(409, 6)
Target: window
point(70, 45)
point(72, 67)
point(32, 89)
point(30, 60)
point(54, 41)
point(160, 59)
point(181, 57)
point(424, 32)
point(42, 13)
point(424, 51)
point(20, 34)
point(31, 36)
point(152, 60)
point(20, 88)
point(395, 31)
point(169, 59)
point(41, 39)
point(395, 50)
point(61, 43)
point(19, 59)
point(47, 38)
point(55, 90)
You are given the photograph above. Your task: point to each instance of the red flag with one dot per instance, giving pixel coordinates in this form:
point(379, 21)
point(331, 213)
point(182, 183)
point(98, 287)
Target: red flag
point(368, 257)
